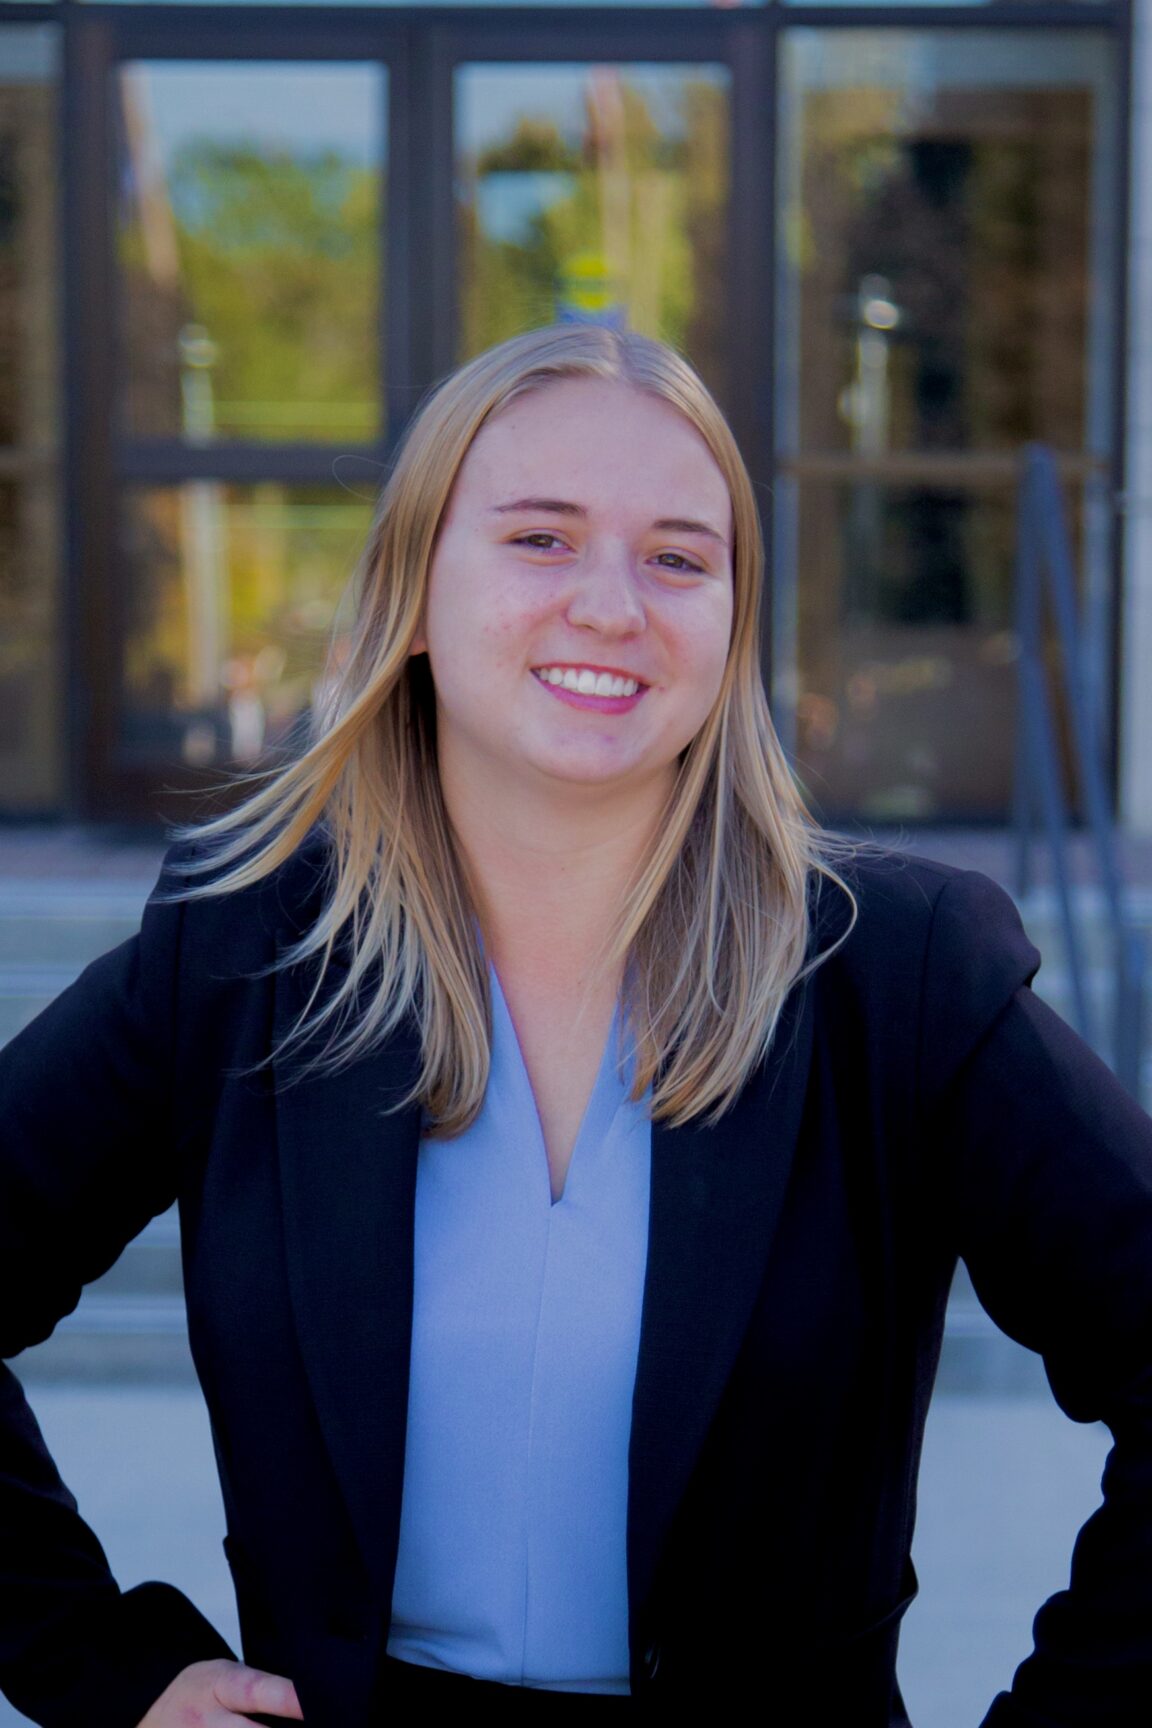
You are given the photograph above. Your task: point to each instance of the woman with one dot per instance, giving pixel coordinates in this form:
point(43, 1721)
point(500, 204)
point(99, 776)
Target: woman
point(573, 1144)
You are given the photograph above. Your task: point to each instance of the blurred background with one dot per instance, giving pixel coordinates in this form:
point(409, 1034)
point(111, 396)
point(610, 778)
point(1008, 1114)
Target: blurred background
point(237, 244)
point(908, 246)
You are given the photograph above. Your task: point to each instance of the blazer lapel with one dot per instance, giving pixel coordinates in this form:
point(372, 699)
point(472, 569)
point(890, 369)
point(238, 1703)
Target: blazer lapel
point(348, 1176)
point(715, 1202)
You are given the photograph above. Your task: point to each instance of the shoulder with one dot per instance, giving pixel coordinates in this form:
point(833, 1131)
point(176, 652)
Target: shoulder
point(934, 951)
point(238, 929)
point(901, 900)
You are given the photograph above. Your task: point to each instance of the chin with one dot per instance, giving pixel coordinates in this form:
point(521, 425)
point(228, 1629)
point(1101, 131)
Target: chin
point(574, 771)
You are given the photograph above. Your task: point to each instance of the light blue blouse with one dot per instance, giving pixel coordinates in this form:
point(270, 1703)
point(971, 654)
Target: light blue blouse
point(524, 1342)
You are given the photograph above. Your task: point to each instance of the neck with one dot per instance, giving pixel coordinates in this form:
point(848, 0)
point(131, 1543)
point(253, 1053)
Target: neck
point(549, 868)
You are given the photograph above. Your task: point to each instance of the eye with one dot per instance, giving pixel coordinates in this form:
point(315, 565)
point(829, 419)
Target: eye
point(533, 540)
point(686, 565)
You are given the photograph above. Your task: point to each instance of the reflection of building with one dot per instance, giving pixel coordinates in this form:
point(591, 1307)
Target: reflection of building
point(896, 274)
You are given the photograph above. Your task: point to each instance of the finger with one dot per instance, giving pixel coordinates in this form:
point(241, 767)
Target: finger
point(229, 1719)
point(241, 1688)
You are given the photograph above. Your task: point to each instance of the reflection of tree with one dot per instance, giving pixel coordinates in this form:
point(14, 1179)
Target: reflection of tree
point(506, 286)
point(30, 760)
point(535, 145)
point(9, 288)
point(286, 555)
point(278, 260)
point(977, 217)
point(706, 334)
point(650, 202)
point(973, 204)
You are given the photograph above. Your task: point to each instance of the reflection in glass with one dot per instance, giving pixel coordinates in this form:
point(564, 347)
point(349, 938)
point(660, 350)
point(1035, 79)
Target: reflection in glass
point(249, 240)
point(594, 193)
point(31, 745)
point(231, 599)
point(906, 703)
point(945, 298)
point(948, 226)
point(31, 765)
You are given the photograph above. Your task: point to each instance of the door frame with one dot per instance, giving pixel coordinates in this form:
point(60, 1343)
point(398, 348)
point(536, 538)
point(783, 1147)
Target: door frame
point(422, 46)
point(418, 239)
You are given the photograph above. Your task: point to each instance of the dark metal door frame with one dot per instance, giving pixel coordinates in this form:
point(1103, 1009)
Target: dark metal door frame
point(421, 47)
point(734, 39)
point(101, 458)
point(418, 334)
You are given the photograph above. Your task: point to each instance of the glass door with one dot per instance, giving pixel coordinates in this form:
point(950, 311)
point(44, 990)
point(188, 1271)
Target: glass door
point(618, 173)
point(283, 296)
point(246, 398)
point(31, 693)
point(594, 192)
point(949, 205)
point(248, 227)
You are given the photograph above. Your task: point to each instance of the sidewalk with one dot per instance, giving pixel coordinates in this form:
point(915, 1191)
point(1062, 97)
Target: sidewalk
point(1005, 1485)
point(71, 853)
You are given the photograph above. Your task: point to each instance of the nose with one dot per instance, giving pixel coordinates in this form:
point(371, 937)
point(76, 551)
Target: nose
point(605, 597)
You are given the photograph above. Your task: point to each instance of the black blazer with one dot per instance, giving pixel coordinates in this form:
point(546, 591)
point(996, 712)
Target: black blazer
point(919, 1103)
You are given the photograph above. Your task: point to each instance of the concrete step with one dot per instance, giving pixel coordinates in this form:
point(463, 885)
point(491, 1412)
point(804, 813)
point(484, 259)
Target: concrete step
point(977, 1356)
point(123, 1332)
point(49, 931)
point(1040, 915)
point(1054, 985)
point(43, 928)
point(25, 991)
point(130, 1324)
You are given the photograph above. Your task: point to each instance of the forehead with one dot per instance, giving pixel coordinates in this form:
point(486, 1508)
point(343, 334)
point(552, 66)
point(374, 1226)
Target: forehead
point(597, 434)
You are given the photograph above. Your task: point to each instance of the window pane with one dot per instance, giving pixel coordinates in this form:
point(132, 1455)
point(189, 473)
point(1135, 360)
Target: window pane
point(906, 648)
point(949, 206)
point(31, 749)
point(249, 241)
point(946, 296)
point(230, 599)
point(594, 192)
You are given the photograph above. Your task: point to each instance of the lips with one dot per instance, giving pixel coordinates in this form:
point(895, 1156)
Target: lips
point(581, 687)
point(601, 681)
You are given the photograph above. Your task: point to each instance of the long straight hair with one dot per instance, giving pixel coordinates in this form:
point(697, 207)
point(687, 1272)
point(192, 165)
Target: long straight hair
point(714, 930)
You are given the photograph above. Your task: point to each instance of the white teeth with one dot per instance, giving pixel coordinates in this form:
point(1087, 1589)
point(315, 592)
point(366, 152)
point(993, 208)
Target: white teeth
point(586, 682)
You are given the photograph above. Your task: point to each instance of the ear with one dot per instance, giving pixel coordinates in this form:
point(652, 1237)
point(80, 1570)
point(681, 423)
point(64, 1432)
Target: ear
point(418, 644)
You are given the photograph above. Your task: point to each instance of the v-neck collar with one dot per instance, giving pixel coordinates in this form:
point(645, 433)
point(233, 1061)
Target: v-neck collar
point(348, 1153)
point(609, 1089)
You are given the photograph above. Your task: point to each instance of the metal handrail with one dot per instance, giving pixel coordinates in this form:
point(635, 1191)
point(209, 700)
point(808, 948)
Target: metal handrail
point(1044, 560)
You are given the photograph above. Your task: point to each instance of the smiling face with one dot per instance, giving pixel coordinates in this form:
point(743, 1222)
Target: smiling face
point(579, 605)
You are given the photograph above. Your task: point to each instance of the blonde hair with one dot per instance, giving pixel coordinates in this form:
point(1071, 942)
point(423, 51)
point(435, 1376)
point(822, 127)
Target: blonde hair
point(715, 928)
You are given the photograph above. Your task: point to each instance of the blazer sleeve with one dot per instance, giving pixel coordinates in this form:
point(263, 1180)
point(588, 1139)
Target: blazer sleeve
point(86, 1158)
point(1047, 1161)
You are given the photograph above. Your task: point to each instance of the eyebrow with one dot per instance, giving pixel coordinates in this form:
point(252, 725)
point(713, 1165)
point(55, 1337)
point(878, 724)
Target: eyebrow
point(561, 507)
